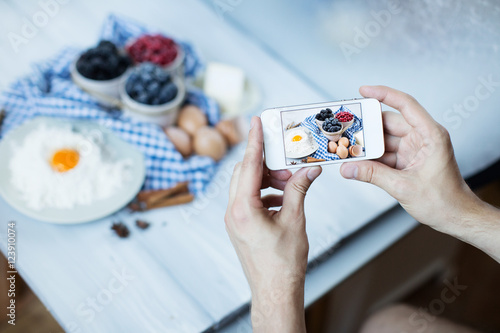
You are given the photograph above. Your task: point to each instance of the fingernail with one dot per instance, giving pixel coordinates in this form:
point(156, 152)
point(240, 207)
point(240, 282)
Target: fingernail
point(313, 173)
point(350, 171)
point(252, 122)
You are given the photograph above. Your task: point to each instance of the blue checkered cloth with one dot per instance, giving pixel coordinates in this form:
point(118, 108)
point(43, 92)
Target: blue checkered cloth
point(322, 152)
point(49, 91)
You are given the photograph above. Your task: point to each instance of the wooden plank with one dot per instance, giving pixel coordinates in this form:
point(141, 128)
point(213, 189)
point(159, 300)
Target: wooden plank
point(187, 269)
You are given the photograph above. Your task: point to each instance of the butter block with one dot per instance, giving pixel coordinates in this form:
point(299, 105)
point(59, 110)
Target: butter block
point(225, 84)
point(359, 138)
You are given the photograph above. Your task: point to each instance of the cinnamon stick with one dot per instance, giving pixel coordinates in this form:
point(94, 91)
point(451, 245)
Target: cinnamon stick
point(178, 199)
point(156, 195)
point(312, 159)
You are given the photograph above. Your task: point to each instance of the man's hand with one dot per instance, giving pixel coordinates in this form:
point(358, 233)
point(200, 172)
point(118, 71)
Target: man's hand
point(420, 171)
point(272, 245)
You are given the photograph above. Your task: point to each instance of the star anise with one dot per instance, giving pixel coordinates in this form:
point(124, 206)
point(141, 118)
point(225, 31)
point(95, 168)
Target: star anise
point(120, 229)
point(142, 224)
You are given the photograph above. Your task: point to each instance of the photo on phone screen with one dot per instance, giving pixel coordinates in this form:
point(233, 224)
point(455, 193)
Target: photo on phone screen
point(323, 134)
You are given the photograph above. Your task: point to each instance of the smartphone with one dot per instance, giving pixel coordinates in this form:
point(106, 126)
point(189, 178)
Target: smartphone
point(323, 133)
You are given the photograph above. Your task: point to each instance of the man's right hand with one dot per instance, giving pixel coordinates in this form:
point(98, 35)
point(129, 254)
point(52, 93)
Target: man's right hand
point(418, 168)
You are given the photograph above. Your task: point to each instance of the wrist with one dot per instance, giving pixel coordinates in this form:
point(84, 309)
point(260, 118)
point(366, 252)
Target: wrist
point(479, 225)
point(279, 308)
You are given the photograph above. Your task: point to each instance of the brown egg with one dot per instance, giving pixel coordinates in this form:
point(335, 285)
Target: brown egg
point(229, 131)
point(355, 150)
point(191, 118)
point(343, 141)
point(342, 151)
point(332, 147)
point(209, 142)
point(180, 139)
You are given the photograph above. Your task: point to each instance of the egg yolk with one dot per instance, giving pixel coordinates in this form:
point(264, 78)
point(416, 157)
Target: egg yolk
point(65, 160)
point(296, 138)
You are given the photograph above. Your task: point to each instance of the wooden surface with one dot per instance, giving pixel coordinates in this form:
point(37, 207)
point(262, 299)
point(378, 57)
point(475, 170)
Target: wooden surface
point(183, 275)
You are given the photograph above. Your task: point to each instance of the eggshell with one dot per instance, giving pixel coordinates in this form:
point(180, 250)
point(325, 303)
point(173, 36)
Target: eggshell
point(209, 142)
point(191, 118)
point(180, 139)
point(355, 150)
point(342, 151)
point(343, 141)
point(332, 147)
point(229, 131)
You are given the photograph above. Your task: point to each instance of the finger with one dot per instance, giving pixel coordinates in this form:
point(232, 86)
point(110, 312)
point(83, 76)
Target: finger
point(411, 110)
point(278, 184)
point(281, 174)
point(389, 158)
point(276, 179)
point(295, 192)
point(273, 183)
point(272, 200)
point(233, 186)
point(391, 143)
point(372, 172)
point(250, 179)
point(395, 124)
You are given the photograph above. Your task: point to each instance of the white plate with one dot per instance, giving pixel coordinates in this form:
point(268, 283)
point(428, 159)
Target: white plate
point(81, 213)
point(308, 152)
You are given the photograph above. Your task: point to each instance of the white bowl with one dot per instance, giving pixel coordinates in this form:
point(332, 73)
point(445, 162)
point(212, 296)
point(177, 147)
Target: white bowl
point(106, 92)
point(163, 114)
point(319, 122)
point(346, 124)
point(176, 67)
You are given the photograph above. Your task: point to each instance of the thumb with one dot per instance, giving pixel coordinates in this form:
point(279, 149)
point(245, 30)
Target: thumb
point(372, 172)
point(295, 191)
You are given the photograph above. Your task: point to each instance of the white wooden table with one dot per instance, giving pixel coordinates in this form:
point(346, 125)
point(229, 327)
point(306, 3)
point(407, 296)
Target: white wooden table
point(181, 275)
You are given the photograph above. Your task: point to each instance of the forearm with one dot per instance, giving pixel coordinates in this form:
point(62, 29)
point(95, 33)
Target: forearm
point(478, 224)
point(278, 311)
point(482, 229)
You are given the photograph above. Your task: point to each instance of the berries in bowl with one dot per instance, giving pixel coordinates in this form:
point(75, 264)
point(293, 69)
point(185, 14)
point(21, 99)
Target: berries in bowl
point(100, 71)
point(322, 116)
point(332, 129)
point(152, 94)
point(159, 50)
point(345, 118)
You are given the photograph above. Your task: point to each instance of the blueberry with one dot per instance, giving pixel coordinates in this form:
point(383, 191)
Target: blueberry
point(147, 67)
point(138, 88)
point(133, 78)
point(107, 45)
point(146, 78)
point(112, 62)
point(142, 98)
point(129, 87)
point(324, 114)
point(163, 77)
point(153, 88)
point(331, 125)
point(168, 93)
point(96, 62)
point(158, 71)
point(155, 101)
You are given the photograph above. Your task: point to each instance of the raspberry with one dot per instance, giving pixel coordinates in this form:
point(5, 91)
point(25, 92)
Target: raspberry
point(157, 49)
point(344, 116)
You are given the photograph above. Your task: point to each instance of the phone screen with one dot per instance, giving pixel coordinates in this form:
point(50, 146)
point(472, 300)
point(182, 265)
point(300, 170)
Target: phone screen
point(323, 134)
